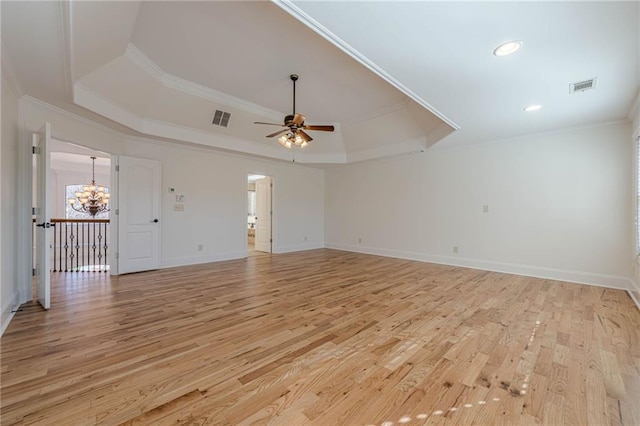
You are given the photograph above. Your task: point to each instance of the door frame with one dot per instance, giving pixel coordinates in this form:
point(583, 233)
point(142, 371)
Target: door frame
point(274, 221)
point(24, 203)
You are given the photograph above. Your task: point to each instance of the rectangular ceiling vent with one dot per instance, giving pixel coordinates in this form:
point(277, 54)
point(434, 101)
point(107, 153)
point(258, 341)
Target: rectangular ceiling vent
point(221, 118)
point(581, 86)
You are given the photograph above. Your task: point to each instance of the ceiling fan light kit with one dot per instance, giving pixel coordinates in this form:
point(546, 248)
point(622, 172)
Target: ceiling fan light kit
point(295, 134)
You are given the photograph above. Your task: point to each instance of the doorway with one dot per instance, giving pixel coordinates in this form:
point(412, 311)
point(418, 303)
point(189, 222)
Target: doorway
point(259, 213)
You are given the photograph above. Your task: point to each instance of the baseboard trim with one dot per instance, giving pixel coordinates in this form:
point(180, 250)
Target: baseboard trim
point(298, 247)
point(207, 258)
point(600, 280)
point(634, 292)
point(9, 311)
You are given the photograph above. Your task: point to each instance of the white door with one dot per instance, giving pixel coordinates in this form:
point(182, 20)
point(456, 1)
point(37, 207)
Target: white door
point(138, 214)
point(263, 214)
point(41, 209)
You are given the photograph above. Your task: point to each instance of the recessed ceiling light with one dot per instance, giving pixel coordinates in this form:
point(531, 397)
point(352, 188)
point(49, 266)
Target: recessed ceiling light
point(508, 48)
point(533, 108)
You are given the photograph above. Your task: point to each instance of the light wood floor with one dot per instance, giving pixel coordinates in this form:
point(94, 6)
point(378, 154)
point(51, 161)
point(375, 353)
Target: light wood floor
point(323, 337)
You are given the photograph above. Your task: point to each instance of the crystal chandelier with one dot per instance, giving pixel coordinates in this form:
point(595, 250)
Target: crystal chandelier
point(93, 199)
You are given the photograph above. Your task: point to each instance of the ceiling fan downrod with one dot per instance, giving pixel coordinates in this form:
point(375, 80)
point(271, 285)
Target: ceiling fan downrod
point(294, 78)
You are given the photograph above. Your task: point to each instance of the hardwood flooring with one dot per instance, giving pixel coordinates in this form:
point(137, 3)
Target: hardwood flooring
point(322, 337)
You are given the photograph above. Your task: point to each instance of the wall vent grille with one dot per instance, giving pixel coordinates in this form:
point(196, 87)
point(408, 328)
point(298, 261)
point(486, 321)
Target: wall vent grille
point(581, 86)
point(221, 118)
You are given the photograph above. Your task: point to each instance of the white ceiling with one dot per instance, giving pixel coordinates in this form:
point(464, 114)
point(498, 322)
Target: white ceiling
point(393, 77)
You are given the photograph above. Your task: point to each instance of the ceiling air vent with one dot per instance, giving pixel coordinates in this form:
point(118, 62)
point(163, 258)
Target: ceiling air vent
point(221, 118)
point(581, 86)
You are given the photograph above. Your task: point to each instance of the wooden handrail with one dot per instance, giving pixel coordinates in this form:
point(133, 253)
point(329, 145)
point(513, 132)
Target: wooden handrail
point(80, 220)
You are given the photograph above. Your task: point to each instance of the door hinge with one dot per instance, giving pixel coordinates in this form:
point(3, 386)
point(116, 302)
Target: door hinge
point(271, 212)
point(117, 212)
point(270, 240)
point(271, 185)
point(33, 272)
point(117, 255)
point(34, 210)
point(117, 168)
point(35, 150)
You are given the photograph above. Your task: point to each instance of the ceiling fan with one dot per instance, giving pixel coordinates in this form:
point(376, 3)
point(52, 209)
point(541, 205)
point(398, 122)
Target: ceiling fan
point(295, 134)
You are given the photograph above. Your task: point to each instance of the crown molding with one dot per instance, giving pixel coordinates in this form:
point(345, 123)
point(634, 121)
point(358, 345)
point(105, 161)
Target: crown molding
point(173, 82)
point(9, 71)
point(74, 116)
point(87, 98)
point(408, 147)
point(324, 32)
point(143, 61)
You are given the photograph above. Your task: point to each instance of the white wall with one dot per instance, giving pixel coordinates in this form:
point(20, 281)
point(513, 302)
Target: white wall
point(559, 205)
point(215, 207)
point(634, 115)
point(215, 188)
point(9, 291)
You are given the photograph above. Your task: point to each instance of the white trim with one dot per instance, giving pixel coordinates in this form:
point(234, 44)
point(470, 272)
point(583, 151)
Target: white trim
point(136, 56)
point(385, 151)
point(526, 136)
point(24, 201)
point(634, 292)
point(87, 98)
point(173, 82)
point(206, 258)
point(8, 312)
point(9, 70)
point(298, 247)
point(74, 116)
point(601, 280)
point(339, 158)
point(306, 19)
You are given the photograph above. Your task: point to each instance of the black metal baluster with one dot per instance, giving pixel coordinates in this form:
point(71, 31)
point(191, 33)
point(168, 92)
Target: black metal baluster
point(54, 250)
point(106, 232)
point(78, 232)
point(93, 246)
point(85, 227)
point(59, 230)
point(66, 247)
point(99, 246)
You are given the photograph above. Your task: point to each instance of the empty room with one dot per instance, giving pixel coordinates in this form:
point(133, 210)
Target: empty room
point(320, 213)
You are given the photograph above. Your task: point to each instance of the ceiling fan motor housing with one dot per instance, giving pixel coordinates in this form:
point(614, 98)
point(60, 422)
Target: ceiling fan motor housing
point(288, 120)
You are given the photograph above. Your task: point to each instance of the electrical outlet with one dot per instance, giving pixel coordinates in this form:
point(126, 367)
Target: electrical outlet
point(485, 208)
point(178, 207)
point(455, 249)
point(199, 247)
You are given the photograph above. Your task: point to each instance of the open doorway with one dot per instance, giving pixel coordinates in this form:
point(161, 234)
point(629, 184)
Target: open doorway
point(259, 213)
point(79, 204)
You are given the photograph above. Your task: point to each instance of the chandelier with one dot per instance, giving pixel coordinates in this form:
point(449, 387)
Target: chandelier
point(92, 199)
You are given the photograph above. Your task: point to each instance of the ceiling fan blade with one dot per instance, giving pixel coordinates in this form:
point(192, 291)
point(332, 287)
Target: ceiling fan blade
point(278, 133)
point(304, 136)
point(321, 128)
point(270, 124)
point(298, 119)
